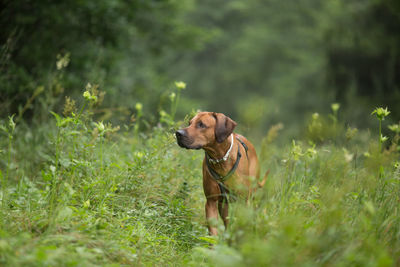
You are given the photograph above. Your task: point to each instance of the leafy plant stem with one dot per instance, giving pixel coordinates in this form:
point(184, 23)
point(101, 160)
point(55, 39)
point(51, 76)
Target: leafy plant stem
point(53, 189)
point(81, 111)
point(175, 104)
point(101, 152)
point(380, 135)
point(10, 132)
point(6, 177)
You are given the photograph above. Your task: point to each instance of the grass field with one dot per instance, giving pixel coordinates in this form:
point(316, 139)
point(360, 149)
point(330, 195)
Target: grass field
point(76, 192)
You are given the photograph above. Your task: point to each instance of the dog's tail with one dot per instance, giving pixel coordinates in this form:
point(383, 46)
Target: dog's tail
point(261, 184)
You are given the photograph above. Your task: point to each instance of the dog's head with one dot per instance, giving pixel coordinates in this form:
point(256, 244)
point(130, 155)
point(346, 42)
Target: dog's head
point(205, 129)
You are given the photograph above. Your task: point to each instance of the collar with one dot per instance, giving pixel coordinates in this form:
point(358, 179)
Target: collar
point(224, 158)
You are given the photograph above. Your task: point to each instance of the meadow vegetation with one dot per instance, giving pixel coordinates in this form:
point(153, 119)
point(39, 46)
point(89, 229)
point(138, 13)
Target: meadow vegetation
point(91, 175)
point(78, 191)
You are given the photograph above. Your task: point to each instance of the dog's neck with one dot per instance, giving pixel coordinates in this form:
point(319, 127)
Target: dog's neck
point(219, 152)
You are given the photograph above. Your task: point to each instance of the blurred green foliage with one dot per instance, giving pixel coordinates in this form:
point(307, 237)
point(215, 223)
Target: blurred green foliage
point(105, 183)
point(119, 45)
point(76, 191)
point(262, 62)
point(282, 60)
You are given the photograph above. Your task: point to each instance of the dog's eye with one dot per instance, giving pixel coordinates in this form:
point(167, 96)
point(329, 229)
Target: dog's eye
point(200, 124)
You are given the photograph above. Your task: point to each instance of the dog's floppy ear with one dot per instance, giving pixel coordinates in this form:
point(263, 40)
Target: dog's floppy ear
point(223, 127)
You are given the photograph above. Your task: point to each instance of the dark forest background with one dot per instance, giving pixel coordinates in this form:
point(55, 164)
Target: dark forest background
point(261, 62)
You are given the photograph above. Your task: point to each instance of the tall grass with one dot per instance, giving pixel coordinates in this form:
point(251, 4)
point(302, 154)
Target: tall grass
point(82, 192)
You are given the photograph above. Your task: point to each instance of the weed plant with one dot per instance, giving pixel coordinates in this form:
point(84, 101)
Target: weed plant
point(81, 192)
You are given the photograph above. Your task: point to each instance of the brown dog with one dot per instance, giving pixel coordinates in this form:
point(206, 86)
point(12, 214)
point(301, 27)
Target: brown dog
point(230, 163)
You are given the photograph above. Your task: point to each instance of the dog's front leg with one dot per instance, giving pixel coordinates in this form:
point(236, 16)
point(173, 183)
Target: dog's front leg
point(211, 215)
point(223, 211)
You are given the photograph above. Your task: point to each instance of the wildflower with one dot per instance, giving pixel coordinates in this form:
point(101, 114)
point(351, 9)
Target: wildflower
point(11, 122)
point(180, 85)
point(273, 133)
point(296, 151)
point(383, 138)
point(139, 154)
point(381, 113)
point(139, 106)
point(110, 129)
point(350, 133)
point(87, 95)
point(335, 107)
point(69, 106)
point(311, 152)
point(62, 61)
point(394, 128)
point(347, 156)
point(397, 165)
point(100, 126)
point(86, 204)
point(91, 93)
point(172, 96)
point(163, 113)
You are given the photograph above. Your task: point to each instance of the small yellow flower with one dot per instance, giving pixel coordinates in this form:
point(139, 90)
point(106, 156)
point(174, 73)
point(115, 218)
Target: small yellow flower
point(87, 95)
point(315, 116)
point(163, 113)
point(139, 155)
point(180, 85)
point(139, 106)
point(172, 96)
point(335, 107)
point(86, 204)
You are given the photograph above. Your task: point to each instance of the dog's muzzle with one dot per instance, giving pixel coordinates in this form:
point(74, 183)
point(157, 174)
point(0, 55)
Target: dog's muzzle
point(184, 140)
point(181, 138)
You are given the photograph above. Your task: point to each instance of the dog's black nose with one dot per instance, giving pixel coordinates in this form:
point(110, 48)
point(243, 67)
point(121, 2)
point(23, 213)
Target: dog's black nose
point(180, 133)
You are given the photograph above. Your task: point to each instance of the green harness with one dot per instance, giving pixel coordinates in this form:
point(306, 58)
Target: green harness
point(221, 179)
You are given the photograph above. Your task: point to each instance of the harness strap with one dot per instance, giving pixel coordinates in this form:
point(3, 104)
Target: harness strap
point(244, 146)
point(221, 179)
